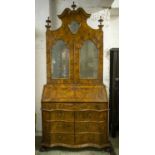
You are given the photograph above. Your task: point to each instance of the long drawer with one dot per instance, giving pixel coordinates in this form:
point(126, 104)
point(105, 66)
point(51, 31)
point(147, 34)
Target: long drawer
point(82, 127)
point(75, 106)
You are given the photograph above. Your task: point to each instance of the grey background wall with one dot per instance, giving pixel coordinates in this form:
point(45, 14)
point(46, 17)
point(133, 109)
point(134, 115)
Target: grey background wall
point(45, 8)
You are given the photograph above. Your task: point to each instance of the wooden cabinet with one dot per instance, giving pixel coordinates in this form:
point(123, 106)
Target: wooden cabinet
point(74, 100)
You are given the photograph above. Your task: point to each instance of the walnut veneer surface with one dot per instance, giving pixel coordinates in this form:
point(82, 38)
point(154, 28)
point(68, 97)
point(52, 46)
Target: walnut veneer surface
point(75, 111)
point(75, 121)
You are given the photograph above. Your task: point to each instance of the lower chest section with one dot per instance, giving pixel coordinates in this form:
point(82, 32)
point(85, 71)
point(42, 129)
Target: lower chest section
point(75, 124)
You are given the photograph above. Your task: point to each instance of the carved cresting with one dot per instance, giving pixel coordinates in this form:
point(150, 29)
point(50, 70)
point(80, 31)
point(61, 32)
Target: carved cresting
point(74, 106)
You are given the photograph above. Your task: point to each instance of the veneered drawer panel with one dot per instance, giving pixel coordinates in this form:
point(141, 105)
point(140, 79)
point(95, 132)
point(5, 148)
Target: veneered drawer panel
point(89, 127)
point(91, 106)
point(90, 138)
point(59, 105)
point(59, 138)
point(61, 126)
point(90, 115)
point(57, 115)
point(75, 106)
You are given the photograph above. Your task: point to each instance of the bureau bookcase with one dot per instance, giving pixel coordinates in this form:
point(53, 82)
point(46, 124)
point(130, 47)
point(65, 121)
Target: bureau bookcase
point(74, 100)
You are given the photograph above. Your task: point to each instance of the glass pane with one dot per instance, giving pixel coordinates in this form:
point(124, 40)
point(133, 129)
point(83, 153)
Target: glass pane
point(89, 60)
point(60, 60)
point(74, 27)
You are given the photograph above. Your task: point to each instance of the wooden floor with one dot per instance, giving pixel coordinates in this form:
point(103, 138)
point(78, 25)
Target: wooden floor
point(87, 151)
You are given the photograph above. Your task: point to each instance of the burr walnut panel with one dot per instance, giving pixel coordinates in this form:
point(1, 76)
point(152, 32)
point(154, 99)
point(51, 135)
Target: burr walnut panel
point(90, 115)
point(60, 126)
point(74, 106)
point(57, 115)
point(58, 105)
point(97, 126)
point(91, 106)
point(90, 138)
point(61, 138)
point(74, 93)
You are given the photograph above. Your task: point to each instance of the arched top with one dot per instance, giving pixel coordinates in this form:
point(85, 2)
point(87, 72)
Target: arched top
point(69, 15)
point(68, 12)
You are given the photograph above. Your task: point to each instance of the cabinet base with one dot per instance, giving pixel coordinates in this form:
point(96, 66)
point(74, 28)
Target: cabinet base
point(106, 146)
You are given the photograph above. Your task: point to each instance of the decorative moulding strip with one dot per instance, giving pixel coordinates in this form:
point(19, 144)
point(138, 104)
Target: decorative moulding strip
point(76, 133)
point(75, 121)
point(61, 133)
point(76, 146)
point(75, 110)
point(59, 121)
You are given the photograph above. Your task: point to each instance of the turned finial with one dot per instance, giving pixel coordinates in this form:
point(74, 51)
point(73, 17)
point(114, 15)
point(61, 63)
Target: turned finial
point(73, 5)
point(100, 21)
point(48, 25)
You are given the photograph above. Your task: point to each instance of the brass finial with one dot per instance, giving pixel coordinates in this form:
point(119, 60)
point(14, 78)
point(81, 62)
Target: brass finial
point(73, 5)
point(100, 21)
point(48, 21)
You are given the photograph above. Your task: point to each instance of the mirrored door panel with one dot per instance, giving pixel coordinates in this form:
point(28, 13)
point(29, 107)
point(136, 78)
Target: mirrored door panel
point(88, 60)
point(60, 60)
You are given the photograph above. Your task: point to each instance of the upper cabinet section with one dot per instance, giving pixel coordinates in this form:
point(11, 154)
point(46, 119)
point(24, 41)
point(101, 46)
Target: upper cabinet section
point(75, 50)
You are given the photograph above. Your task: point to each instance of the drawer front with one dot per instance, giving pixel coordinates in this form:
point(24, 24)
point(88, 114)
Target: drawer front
point(67, 127)
point(59, 138)
point(90, 115)
point(75, 106)
point(90, 139)
point(60, 106)
point(91, 106)
point(89, 127)
point(57, 115)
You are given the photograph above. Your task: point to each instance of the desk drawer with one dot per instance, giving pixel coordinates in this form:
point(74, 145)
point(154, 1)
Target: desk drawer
point(90, 139)
point(60, 126)
point(90, 115)
point(91, 106)
point(56, 115)
point(89, 127)
point(58, 105)
point(59, 138)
